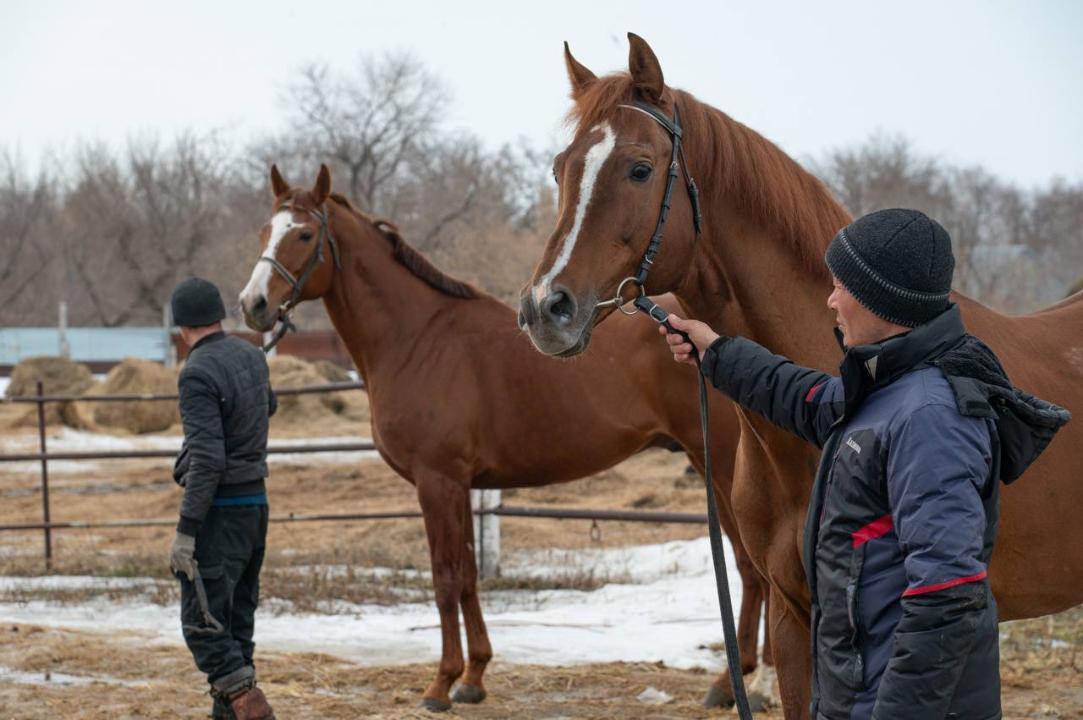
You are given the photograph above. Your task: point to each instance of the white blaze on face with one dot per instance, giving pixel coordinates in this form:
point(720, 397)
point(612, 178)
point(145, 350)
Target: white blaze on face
point(281, 224)
point(592, 165)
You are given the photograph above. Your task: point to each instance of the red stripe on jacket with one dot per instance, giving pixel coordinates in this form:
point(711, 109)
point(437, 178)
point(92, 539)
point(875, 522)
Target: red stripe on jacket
point(812, 391)
point(877, 528)
point(945, 585)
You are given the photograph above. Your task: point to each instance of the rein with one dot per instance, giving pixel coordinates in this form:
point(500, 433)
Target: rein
point(297, 284)
point(655, 312)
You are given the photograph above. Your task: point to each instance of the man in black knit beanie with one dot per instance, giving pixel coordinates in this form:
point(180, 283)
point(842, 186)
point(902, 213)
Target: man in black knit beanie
point(903, 512)
point(225, 404)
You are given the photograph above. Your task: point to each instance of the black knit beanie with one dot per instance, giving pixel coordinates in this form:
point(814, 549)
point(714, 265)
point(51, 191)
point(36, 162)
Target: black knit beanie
point(196, 302)
point(897, 263)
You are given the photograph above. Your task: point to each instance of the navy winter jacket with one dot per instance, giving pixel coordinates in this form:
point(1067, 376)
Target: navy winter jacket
point(915, 432)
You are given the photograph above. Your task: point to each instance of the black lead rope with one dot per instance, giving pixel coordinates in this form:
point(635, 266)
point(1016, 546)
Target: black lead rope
point(721, 575)
point(660, 316)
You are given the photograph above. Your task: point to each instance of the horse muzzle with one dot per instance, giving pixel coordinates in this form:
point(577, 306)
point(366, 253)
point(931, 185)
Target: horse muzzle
point(556, 325)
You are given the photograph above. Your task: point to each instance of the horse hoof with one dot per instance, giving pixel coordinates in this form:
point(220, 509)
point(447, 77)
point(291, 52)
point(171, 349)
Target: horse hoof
point(719, 697)
point(434, 705)
point(472, 694)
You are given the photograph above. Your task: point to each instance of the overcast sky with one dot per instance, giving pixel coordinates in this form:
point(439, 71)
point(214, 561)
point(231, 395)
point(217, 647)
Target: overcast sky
point(992, 83)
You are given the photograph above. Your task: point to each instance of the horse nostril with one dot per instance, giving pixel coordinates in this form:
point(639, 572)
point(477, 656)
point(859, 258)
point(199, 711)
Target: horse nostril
point(559, 306)
point(260, 305)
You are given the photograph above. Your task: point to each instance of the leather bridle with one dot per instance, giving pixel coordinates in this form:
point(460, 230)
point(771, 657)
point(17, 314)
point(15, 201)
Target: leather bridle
point(673, 127)
point(297, 284)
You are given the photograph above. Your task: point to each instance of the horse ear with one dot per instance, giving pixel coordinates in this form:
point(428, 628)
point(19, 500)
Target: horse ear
point(322, 188)
point(645, 69)
point(279, 186)
point(578, 74)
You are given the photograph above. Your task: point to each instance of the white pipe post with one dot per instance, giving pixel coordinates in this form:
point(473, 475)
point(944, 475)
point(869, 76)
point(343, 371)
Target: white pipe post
point(267, 337)
point(62, 328)
point(169, 353)
point(486, 532)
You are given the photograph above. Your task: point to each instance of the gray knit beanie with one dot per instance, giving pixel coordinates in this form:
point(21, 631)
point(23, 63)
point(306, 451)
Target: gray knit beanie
point(897, 263)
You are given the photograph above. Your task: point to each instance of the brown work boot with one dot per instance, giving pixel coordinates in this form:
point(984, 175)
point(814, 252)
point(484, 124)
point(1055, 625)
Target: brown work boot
point(250, 704)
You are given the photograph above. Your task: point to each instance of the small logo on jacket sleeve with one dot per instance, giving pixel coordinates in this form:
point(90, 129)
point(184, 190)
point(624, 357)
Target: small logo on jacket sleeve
point(854, 445)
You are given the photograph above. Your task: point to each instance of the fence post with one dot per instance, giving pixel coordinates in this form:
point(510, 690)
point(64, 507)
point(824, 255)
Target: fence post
point(267, 337)
point(169, 353)
point(62, 329)
point(486, 532)
point(44, 478)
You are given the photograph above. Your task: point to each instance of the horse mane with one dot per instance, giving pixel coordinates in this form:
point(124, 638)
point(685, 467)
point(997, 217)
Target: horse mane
point(741, 165)
point(411, 258)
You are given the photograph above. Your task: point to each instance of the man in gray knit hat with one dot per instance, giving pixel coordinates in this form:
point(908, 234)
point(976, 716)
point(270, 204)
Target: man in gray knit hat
point(225, 404)
point(916, 430)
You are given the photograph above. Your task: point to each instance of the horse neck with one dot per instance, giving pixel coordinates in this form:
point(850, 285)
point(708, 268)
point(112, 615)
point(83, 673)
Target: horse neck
point(750, 276)
point(378, 307)
point(761, 294)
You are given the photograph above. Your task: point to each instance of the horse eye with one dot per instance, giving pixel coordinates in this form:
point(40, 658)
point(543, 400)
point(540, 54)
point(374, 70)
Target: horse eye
point(640, 172)
point(306, 236)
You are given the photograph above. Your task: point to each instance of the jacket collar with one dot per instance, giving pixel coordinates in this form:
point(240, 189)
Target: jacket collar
point(865, 368)
point(208, 339)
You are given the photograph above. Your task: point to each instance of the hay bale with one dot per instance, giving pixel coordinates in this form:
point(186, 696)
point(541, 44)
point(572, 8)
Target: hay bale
point(135, 376)
point(288, 371)
point(60, 376)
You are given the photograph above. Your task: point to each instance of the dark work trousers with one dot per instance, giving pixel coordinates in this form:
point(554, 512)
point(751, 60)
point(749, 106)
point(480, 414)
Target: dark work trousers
point(229, 549)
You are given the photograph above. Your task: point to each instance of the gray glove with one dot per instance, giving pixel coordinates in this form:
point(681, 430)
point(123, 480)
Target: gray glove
point(182, 556)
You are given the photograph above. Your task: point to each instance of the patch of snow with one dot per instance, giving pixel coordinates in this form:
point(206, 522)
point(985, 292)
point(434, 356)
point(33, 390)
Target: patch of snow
point(654, 696)
point(666, 612)
point(54, 678)
point(69, 440)
point(74, 582)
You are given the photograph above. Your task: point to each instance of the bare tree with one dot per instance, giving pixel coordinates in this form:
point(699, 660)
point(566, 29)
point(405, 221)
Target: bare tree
point(368, 125)
point(1013, 249)
point(883, 172)
point(26, 211)
point(132, 230)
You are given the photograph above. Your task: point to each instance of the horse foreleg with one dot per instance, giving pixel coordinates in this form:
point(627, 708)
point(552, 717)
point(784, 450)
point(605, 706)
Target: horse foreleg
point(480, 652)
point(793, 662)
point(442, 504)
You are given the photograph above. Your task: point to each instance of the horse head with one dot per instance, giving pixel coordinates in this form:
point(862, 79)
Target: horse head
point(298, 257)
point(615, 177)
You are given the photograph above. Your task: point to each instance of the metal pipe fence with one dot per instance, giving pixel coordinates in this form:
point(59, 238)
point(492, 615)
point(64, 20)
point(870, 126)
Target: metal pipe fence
point(47, 526)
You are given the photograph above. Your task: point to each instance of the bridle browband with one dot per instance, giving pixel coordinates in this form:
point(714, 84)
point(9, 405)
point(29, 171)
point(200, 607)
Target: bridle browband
point(297, 284)
point(673, 127)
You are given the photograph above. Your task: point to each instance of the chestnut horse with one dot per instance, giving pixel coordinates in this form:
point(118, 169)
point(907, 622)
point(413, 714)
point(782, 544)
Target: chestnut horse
point(757, 270)
point(460, 400)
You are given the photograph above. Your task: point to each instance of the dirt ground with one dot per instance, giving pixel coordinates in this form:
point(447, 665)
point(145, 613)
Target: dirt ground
point(82, 675)
point(54, 673)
